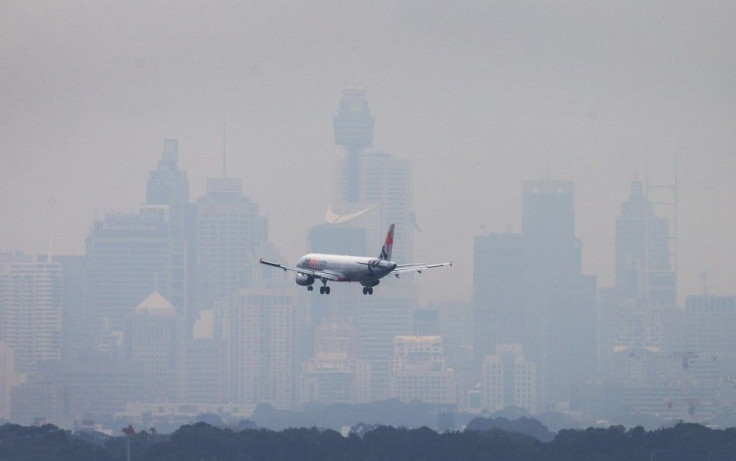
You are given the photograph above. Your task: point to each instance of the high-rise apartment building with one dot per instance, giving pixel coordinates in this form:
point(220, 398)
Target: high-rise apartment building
point(707, 330)
point(508, 379)
point(262, 341)
point(31, 303)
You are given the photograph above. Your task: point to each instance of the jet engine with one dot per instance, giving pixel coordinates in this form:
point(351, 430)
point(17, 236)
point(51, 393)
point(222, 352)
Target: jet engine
point(304, 280)
point(372, 283)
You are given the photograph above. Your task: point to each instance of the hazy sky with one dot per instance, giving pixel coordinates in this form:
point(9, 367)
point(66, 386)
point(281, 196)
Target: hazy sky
point(479, 95)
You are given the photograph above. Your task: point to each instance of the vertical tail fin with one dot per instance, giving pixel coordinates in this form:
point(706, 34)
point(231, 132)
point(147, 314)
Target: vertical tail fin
point(388, 244)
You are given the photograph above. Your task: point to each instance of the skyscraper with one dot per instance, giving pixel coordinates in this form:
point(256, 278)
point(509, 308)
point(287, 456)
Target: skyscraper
point(262, 341)
point(708, 333)
point(379, 321)
point(644, 272)
point(73, 319)
point(561, 298)
point(168, 185)
point(205, 372)
point(9, 378)
point(153, 336)
point(636, 316)
point(529, 290)
point(387, 181)
point(31, 301)
point(129, 256)
point(354, 131)
point(502, 314)
point(230, 232)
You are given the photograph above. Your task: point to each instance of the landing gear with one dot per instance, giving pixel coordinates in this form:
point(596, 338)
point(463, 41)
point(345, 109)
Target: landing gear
point(367, 290)
point(310, 288)
point(324, 289)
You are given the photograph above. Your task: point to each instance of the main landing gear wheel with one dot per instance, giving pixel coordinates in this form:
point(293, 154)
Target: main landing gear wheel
point(310, 288)
point(325, 290)
point(367, 290)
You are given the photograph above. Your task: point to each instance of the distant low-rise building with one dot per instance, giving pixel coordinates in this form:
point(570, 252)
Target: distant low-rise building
point(335, 374)
point(508, 379)
point(419, 371)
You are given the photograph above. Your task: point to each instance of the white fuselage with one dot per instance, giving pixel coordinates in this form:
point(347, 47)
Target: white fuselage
point(324, 268)
point(348, 268)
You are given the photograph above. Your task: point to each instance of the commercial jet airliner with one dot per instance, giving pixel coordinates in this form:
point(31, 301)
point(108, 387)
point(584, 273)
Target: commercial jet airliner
point(339, 268)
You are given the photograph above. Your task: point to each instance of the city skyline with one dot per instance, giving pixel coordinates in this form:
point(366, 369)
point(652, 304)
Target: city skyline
point(478, 97)
point(702, 281)
point(544, 319)
point(574, 161)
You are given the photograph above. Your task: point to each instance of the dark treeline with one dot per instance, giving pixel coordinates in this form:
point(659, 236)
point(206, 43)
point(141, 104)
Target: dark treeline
point(201, 441)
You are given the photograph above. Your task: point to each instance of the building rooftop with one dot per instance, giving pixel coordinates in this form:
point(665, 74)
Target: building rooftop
point(155, 304)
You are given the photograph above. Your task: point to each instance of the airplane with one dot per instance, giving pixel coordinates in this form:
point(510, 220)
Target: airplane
point(342, 268)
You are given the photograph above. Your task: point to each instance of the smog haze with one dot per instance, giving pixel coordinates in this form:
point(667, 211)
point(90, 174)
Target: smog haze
point(480, 96)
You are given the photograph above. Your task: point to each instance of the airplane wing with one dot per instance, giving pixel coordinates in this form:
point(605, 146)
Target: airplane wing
point(401, 268)
point(329, 275)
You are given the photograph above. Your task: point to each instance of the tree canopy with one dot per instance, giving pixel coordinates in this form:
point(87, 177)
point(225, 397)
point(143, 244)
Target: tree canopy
point(483, 440)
